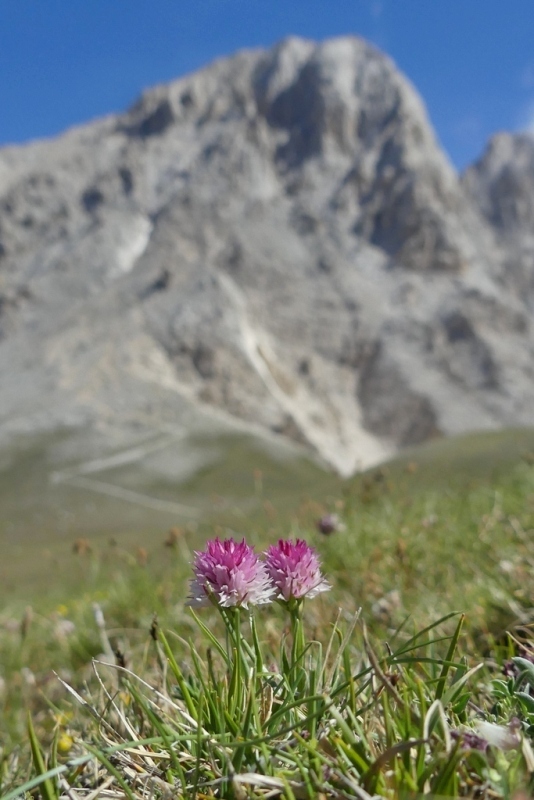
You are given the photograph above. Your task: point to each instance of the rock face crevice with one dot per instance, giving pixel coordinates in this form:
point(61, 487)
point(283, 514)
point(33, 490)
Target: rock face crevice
point(277, 237)
point(415, 420)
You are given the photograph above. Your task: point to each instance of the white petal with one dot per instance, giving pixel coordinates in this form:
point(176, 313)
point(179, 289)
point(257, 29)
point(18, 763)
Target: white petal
point(498, 735)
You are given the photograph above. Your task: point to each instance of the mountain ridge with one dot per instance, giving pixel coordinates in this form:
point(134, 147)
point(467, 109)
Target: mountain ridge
point(278, 236)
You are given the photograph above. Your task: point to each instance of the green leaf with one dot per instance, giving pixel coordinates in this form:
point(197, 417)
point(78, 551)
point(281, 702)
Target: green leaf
point(461, 703)
point(526, 701)
point(415, 641)
point(527, 670)
point(454, 691)
point(213, 639)
point(47, 787)
point(435, 714)
point(440, 688)
point(179, 676)
point(257, 646)
point(20, 791)
point(445, 782)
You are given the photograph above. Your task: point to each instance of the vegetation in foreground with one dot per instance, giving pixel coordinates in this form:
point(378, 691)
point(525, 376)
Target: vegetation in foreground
point(377, 687)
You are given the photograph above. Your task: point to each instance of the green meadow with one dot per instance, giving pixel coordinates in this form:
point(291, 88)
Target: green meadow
point(432, 590)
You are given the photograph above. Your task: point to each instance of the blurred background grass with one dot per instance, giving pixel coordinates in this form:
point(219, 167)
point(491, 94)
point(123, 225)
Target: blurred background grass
point(448, 527)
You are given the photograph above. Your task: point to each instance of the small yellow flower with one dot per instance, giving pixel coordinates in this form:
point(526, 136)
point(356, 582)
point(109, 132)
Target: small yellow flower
point(64, 743)
point(126, 698)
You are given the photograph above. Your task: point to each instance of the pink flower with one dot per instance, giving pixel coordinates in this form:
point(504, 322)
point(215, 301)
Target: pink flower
point(294, 569)
point(228, 574)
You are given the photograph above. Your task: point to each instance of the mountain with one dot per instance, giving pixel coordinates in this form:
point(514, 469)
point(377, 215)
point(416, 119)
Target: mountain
point(276, 240)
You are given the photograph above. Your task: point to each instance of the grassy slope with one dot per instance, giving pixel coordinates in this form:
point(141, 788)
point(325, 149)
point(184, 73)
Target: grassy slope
point(449, 527)
point(41, 519)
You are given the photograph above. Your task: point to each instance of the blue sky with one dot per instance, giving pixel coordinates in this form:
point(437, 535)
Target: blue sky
point(63, 62)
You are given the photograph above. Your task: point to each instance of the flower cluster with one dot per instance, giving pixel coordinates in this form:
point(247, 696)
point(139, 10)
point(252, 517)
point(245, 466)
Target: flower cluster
point(230, 573)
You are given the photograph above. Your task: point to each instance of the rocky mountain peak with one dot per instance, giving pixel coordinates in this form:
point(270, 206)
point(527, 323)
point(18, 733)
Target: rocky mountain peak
point(501, 186)
point(278, 238)
point(502, 183)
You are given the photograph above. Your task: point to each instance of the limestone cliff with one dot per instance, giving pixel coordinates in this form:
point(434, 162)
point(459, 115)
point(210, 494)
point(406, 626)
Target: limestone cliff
point(278, 237)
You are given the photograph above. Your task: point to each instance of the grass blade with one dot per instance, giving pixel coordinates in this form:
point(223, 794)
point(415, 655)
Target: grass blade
point(440, 688)
point(47, 787)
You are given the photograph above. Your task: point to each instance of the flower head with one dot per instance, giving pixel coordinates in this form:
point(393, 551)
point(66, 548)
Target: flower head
point(295, 570)
point(470, 741)
point(329, 523)
point(229, 573)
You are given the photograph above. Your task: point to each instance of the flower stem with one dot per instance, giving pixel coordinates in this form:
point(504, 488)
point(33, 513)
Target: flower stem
point(236, 682)
point(299, 643)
